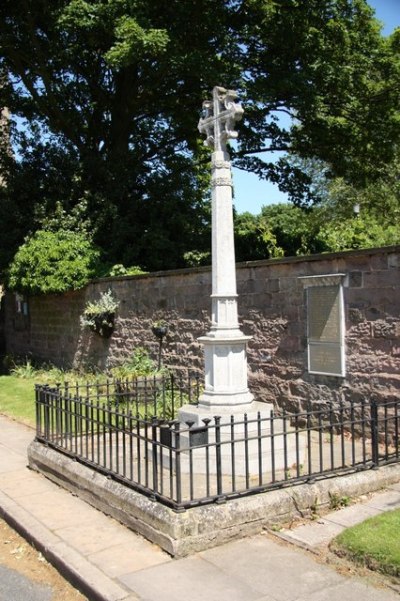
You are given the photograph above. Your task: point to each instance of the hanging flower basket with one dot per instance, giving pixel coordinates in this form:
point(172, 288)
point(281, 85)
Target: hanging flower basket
point(159, 329)
point(99, 316)
point(103, 324)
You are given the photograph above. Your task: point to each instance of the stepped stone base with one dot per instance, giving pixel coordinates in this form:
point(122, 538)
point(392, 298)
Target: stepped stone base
point(200, 528)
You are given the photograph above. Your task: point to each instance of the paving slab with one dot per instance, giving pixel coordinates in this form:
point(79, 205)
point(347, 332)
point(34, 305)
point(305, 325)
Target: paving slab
point(21, 483)
point(193, 578)
point(351, 590)
point(57, 508)
point(97, 583)
point(313, 535)
point(10, 462)
point(70, 533)
point(384, 501)
point(317, 534)
point(127, 558)
point(352, 515)
point(272, 569)
point(253, 569)
point(95, 534)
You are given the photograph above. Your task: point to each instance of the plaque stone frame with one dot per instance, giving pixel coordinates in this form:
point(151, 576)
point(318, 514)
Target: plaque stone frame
point(325, 324)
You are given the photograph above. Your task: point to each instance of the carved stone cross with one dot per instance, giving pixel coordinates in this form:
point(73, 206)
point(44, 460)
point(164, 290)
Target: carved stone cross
point(224, 345)
point(220, 115)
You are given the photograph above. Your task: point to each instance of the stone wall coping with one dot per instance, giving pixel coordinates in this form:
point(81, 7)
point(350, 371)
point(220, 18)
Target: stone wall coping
point(329, 256)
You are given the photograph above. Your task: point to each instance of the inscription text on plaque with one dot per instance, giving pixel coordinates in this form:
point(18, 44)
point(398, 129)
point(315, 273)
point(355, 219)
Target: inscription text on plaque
point(325, 319)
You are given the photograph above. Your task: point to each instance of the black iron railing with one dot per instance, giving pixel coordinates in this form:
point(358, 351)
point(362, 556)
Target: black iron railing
point(129, 430)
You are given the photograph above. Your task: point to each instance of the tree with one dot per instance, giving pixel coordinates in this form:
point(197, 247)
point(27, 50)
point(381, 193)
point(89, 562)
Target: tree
point(337, 83)
point(279, 230)
point(109, 92)
point(357, 232)
point(254, 238)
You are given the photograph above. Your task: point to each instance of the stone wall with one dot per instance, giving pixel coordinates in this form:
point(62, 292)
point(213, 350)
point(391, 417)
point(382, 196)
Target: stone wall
point(272, 309)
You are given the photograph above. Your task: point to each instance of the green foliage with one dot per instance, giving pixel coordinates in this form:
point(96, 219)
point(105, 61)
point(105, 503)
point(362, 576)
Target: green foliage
point(24, 370)
point(106, 304)
point(99, 315)
point(105, 107)
point(293, 228)
point(17, 398)
point(132, 39)
point(194, 258)
point(331, 225)
point(279, 230)
point(357, 232)
point(254, 238)
point(336, 501)
point(139, 364)
point(53, 262)
point(120, 270)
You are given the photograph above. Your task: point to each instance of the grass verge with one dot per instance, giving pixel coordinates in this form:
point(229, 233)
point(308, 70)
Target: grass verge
point(17, 398)
point(374, 543)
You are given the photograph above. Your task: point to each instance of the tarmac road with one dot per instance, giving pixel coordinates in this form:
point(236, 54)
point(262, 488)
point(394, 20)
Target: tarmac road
point(16, 587)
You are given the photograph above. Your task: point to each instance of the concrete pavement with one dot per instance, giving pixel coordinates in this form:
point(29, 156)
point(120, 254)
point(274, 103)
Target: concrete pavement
point(108, 562)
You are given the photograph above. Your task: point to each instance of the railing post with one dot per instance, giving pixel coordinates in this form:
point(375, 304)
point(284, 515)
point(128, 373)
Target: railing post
point(177, 449)
point(374, 433)
point(218, 462)
point(38, 392)
point(154, 453)
point(172, 379)
point(46, 413)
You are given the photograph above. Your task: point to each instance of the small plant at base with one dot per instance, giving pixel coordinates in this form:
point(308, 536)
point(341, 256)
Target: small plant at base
point(24, 370)
point(336, 501)
point(314, 509)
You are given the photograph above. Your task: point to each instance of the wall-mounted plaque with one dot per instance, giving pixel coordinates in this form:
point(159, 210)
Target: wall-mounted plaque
point(325, 325)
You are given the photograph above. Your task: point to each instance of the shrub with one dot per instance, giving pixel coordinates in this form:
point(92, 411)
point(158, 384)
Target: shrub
point(120, 270)
point(53, 262)
point(139, 364)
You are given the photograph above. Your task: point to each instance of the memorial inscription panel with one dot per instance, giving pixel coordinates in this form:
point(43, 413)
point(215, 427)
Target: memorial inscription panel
point(325, 330)
point(324, 313)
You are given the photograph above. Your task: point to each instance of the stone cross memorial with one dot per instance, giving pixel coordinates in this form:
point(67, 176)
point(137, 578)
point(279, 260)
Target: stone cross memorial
point(244, 426)
point(226, 389)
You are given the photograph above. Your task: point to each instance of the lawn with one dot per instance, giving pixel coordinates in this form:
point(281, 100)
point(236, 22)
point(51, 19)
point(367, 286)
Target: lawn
point(374, 543)
point(17, 398)
point(17, 394)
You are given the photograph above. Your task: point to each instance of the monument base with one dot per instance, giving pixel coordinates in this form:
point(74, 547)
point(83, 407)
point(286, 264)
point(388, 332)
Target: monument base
point(226, 372)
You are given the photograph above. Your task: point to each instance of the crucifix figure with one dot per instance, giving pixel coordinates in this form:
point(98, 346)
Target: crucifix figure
point(224, 345)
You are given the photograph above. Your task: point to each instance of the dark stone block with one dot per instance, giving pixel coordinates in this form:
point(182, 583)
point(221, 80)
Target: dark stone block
point(355, 279)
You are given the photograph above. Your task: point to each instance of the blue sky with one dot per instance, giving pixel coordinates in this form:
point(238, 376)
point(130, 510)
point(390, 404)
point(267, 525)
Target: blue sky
point(250, 192)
